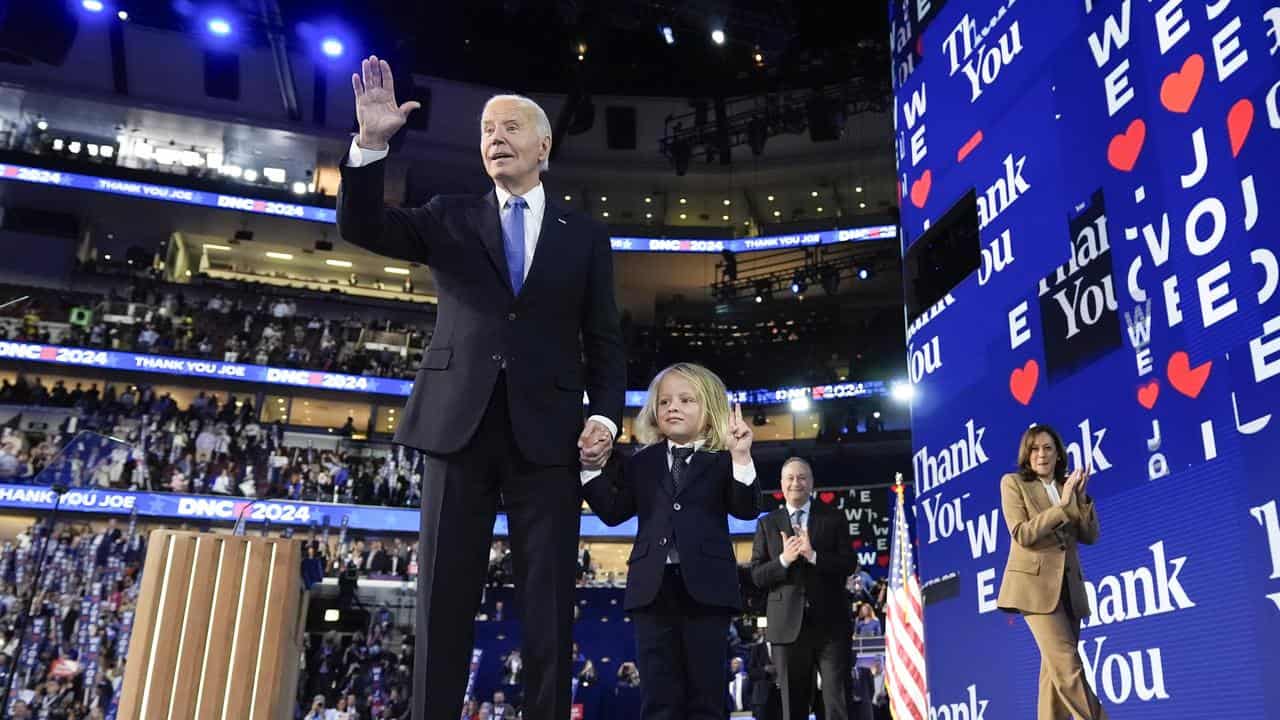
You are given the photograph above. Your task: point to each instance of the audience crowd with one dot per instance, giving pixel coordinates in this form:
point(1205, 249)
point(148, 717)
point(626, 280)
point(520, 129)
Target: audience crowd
point(75, 639)
point(208, 447)
point(264, 326)
point(367, 675)
point(246, 328)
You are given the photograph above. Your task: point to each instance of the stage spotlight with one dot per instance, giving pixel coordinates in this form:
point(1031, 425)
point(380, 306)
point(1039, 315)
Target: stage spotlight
point(219, 26)
point(92, 5)
point(902, 391)
point(668, 35)
point(800, 404)
point(42, 125)
point(717, 36)
point(124, 16)
point(863, 273)
point(798, 283)
point(332, 47)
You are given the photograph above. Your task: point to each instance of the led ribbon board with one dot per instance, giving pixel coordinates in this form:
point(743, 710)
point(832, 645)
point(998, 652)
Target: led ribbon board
point(215, 369)
point(168, 506)
point(167, 193)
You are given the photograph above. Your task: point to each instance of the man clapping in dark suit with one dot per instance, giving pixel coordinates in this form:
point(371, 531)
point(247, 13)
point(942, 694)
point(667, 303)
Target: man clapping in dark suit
point(801, 556)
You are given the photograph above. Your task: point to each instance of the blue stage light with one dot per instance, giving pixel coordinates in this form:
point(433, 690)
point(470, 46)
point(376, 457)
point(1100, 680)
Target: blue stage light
point(332, 47)
point(92, 5)
point(219, 26)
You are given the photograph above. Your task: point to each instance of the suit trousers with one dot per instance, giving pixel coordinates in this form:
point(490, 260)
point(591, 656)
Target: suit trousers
point(683, 653)
point(459, 505)
point(818, 647)
point(1064, 692)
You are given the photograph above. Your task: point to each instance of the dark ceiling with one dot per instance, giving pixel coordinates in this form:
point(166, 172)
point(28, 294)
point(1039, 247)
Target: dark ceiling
point(533, 45)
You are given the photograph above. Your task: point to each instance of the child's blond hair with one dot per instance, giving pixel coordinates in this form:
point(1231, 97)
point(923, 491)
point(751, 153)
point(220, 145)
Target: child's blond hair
point(712, 396)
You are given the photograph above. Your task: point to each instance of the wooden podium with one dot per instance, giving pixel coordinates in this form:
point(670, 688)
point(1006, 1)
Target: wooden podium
point(218, 630)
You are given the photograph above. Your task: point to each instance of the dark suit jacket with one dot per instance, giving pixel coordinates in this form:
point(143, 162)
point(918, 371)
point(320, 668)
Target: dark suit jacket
point(692, 519)
point(763, 681)
point(565, 312)
point(790, 588)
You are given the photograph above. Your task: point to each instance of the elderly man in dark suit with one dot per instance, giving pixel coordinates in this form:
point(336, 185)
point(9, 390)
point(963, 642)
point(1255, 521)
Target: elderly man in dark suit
point(527, 321)
point(801, 556)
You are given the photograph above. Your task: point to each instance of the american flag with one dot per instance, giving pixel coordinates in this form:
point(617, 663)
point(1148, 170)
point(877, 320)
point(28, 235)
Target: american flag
point(904, 636)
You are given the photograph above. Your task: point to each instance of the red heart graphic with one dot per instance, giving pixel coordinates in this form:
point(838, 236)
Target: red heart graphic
point(883, 561)
point(1022, 383)
point(920, 189)
point(1185, 379)
point(1122, 151)
point(1148, 393)
point(827, 497)
point(968, 146)
point(1239, 121)
point(777, 496)
point(1179, 88)
point(857, 544)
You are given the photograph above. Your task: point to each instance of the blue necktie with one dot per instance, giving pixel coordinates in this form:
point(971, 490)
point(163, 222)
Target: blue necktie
point(513, 237)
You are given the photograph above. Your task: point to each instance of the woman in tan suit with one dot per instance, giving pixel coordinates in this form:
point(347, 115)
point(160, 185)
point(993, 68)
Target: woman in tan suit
point(1048, 513)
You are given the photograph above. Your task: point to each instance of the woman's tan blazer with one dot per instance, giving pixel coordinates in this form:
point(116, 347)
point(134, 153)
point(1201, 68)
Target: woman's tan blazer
point(1044, 549)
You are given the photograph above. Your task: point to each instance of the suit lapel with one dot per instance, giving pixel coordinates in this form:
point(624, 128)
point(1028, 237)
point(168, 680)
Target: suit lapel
point(816, 519)
point(783, 521)
point(553, 243)
point(699, 463)
point(658, 463)
point(485, 220)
